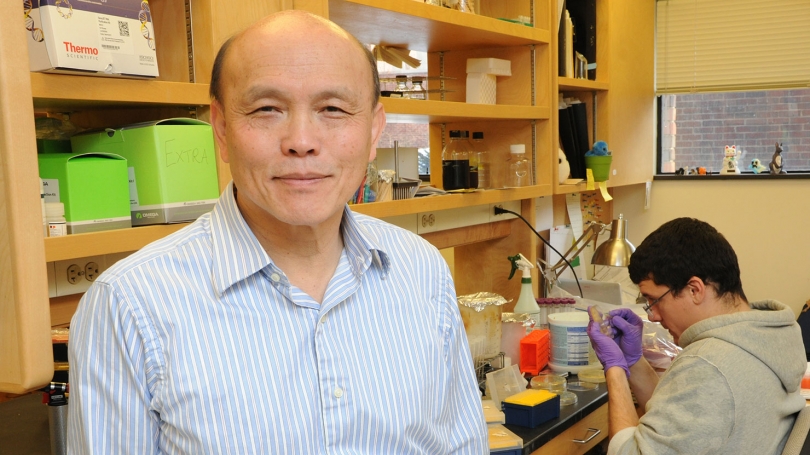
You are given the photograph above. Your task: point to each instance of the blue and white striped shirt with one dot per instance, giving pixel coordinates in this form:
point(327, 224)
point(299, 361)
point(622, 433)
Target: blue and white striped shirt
point(199, 344)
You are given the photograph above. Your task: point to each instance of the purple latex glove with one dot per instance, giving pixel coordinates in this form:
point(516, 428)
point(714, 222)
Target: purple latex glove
point(607, 351)
point(628, 333)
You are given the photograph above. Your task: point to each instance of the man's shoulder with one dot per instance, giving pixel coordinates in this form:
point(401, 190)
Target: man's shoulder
point(390, 234)
point(190, 241)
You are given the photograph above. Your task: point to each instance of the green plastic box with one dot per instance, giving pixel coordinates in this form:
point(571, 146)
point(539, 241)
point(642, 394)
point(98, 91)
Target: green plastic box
point(172, 167)
point(92, 186)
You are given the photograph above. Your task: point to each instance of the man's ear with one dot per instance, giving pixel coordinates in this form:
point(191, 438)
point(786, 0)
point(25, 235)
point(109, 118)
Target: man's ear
point(218, 127)
point(697, 290)
point(377, 127)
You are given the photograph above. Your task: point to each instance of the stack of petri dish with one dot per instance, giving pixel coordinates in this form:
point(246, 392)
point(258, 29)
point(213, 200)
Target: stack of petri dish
point(552, 382)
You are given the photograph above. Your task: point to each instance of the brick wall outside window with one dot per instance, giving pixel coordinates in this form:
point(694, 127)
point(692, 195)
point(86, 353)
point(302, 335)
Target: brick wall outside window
point(695, 128)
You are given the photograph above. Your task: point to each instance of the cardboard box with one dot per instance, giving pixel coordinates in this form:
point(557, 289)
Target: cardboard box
point(481, 88)
point(172, 167)
point(108, 38)
point(93, 187)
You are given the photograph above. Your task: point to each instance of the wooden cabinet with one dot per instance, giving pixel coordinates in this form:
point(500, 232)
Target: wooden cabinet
point(580, 437)
point(621, 101)
point(188, 33)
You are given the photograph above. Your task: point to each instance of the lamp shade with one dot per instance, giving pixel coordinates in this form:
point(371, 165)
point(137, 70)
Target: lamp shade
point(616, 250)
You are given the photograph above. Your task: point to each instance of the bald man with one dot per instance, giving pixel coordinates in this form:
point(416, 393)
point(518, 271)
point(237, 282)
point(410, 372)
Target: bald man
point(281, 322)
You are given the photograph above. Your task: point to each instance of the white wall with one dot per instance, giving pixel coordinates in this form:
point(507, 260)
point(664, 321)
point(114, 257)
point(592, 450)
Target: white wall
point(766, 221)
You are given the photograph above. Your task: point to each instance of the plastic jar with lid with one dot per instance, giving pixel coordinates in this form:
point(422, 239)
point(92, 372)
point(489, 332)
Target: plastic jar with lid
point(55, 215)
point(518, 166)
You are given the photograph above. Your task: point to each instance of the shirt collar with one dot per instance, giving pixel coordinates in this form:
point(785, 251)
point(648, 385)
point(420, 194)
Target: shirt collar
point(237, 253)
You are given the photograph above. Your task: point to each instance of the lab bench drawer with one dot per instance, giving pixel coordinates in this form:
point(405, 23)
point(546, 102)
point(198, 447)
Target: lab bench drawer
point(565, 444)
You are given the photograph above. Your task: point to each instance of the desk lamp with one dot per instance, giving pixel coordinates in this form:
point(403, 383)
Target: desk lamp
point(614, 252)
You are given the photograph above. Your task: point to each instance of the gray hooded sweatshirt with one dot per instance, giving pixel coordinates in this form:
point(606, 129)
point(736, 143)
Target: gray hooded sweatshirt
point(734, 389)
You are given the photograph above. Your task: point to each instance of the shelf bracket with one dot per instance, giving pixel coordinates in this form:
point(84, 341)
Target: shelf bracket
point(190, 42)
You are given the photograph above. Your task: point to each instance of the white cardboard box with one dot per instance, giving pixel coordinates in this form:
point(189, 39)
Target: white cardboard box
point(481, 88)
point(496, 66)
point(109, 38)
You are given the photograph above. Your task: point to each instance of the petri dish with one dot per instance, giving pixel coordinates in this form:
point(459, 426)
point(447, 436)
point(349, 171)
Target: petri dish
point(568, 398)
point(551, 382)
point(593, 375)
point(581, 386)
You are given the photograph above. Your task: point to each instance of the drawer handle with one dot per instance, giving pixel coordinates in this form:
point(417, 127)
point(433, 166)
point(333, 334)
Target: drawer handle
point(596, 433)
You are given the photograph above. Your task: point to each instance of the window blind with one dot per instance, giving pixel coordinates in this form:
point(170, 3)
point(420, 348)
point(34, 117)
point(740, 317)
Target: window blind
point(728, 45)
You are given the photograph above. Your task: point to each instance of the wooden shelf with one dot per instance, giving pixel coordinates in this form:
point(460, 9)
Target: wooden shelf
point(105, 242)
point(578, 188)
point(450, 201)
point(422, 27)
point(65, 90)
point(400, 110)
point(569, 84)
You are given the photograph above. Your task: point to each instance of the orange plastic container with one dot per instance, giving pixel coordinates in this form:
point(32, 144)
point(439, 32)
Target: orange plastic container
point(534, 351)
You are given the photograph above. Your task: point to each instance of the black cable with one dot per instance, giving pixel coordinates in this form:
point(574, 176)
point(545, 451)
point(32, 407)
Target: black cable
point(500, 210)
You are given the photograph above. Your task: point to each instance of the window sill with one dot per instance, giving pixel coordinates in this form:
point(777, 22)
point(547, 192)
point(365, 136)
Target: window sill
point(743, 176)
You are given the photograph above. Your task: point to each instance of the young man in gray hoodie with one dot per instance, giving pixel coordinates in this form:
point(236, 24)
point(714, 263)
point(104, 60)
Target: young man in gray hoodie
point(734, 389)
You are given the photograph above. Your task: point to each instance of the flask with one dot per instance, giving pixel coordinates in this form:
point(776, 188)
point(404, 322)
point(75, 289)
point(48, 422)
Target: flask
point(57, 224)
point(456, 162)
point(480, 159)
point(518, 166)
point(418, 91)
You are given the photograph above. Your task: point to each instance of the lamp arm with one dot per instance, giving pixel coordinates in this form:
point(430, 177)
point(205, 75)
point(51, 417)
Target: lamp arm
point(591, 233)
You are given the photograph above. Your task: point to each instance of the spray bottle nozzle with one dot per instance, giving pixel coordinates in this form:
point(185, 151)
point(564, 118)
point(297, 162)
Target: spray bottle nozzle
point(519, 261)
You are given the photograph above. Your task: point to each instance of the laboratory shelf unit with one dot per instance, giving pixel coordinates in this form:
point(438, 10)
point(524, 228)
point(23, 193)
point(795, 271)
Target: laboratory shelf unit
point(429, 111)
point(450, 201)
point(105, 242)
point(63, 91)
point(423, 27)
point(569, 84)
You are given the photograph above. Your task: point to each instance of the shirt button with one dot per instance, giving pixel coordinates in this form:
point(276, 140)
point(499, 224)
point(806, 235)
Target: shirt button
point(275, 277)
point(338, 392)
point(323, 319)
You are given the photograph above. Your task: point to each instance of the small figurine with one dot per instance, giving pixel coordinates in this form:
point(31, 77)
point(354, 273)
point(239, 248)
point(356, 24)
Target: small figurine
point(682, 170)
point(777, 167)
point(600, 148)
point(693, 171)
point(730, 161)
point(701, 170)
point(564, 167)
point(756, 166)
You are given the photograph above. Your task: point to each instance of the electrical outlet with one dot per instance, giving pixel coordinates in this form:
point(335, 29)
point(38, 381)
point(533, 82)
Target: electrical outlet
point(74, 276)
point(91, 271)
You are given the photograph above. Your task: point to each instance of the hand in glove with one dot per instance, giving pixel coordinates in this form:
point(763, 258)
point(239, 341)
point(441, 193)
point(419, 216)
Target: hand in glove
point(607, 351)
point(628, 333)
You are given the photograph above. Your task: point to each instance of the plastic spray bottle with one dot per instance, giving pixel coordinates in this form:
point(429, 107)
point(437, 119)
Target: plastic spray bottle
point(526, 302)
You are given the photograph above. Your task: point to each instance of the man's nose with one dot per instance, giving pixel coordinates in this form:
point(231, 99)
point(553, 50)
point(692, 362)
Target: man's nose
point(301, 137)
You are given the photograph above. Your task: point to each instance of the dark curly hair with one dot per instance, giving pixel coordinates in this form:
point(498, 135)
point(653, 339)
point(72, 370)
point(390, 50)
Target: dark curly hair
point(683, 248)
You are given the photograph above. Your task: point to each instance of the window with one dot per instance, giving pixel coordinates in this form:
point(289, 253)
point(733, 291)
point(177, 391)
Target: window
point(731, 72)
point(695, 128)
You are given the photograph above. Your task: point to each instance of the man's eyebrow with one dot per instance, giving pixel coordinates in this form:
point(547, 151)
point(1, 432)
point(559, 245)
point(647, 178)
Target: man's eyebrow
point(259, 92)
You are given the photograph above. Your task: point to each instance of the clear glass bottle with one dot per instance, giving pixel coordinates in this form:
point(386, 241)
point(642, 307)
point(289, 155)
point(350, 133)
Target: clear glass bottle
point(480, 159)
point(418, 90)
point(402, 86)
point(456, 162)
point(518, 166)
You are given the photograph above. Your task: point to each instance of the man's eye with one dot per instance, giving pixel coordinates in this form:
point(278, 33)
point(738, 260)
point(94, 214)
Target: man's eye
point(333, 109)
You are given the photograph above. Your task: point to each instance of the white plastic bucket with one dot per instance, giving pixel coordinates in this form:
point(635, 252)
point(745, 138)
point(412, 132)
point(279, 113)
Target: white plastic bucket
point(571, 349)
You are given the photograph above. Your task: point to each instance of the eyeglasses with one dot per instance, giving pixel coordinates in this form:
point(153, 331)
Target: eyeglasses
point(648, 306)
